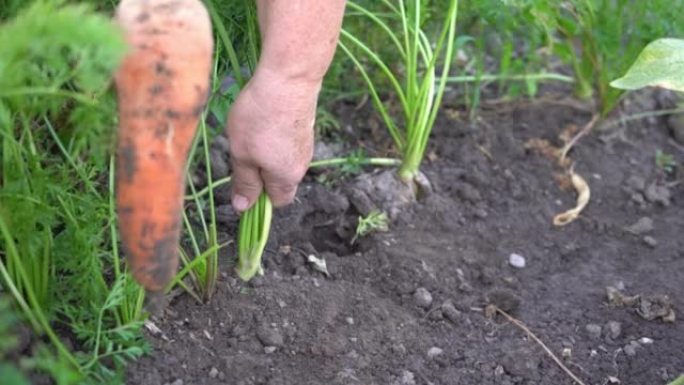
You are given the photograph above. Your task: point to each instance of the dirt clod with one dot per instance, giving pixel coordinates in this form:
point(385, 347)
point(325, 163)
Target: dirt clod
point(450, 312)
point(504, 300)
point(614, 329)
point(642, 226)
point(593, 331)
point(269, 336)
point(422, 297)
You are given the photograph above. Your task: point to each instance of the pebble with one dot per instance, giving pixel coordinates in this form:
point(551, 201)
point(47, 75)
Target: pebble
point(642, 226)
point(516, 260)
point(407, 378)
point(422, 297)
point(349, 320)
point(594, 331)
point(645, 341)
point(614, 329)
point(650, 241)
point(631, 348)
point(434, 352)
point(269, 336)
point(213, 373)
point(450, 312)
point(269, 349)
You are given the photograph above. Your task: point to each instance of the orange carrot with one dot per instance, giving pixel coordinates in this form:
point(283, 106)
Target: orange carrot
point(162, 87)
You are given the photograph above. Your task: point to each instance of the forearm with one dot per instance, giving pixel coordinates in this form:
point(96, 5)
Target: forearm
point(299, 37)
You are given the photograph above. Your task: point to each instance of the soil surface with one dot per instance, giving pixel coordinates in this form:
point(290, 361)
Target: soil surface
point(407, 306)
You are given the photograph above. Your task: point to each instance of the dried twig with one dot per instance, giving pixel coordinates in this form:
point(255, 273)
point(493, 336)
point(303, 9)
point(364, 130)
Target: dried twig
point(548, 351)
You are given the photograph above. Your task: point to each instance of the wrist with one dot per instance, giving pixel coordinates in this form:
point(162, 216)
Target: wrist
point(278, 85)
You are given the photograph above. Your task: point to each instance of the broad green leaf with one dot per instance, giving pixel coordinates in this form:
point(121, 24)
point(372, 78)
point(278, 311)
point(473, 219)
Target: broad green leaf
point(660, 64)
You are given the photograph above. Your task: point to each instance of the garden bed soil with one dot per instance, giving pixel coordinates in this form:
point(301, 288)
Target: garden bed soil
point(408, 306)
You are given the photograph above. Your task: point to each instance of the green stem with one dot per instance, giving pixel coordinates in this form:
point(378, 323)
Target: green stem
point(227, 43)
point(525, 77)
point(344, 161)
point(678, 381)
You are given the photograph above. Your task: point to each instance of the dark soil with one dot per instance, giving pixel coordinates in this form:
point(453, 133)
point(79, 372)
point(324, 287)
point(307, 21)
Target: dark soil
point(372, 321)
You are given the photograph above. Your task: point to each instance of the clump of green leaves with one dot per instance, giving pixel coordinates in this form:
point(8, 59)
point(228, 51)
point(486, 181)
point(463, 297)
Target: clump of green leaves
point(375, 221)
point(601, 38)
point(665, 162)
point(57, 223)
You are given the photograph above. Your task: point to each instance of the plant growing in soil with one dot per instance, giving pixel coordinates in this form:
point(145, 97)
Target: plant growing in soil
point(420, 90)
point(665, 162)
point(591, 36)
point(374, 221)
point(60, 261)
point(255, 223)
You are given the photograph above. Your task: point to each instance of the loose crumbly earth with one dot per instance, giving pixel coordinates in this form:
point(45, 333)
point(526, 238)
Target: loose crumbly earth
point(371, 322)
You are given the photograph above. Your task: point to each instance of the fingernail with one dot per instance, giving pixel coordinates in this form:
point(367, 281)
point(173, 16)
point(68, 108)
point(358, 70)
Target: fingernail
point(240, 203)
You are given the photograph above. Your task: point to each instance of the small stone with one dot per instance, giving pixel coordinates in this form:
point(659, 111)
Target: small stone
point(650, 241)
point(567, 353)
point(594, 331)
point(269, 336)
point(213, 373)
point(269, 349)
point(645, 341)
point(422, 297)
point(434, 352)
point(631, 349)
point(349, 320)
point(450, 312)
point(614, 329)
point(642, 226)
point(499, 371)
point(516, 260)
point(407, 378)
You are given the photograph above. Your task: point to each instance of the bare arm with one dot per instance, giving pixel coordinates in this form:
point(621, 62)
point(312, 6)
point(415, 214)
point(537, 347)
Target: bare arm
point(271, 124)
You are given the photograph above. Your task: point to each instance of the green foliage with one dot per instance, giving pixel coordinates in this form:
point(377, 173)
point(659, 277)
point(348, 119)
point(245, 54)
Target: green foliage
point(418, 87)
point(56, 120)
point(665, 162)
point(660, 64)
point(374, 221)
point(601, 38)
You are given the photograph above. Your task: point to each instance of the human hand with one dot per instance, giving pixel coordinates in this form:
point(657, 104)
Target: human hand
point(270, 127)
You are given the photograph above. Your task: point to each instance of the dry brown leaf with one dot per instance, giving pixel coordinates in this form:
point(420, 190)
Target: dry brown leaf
point(583, 195)
point(543, 147)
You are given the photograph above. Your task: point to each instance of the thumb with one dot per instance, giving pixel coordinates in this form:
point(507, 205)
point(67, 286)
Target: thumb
point(247, 186)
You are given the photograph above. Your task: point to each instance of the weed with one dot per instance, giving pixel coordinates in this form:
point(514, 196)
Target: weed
point(373, 222)
point(665, 162)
